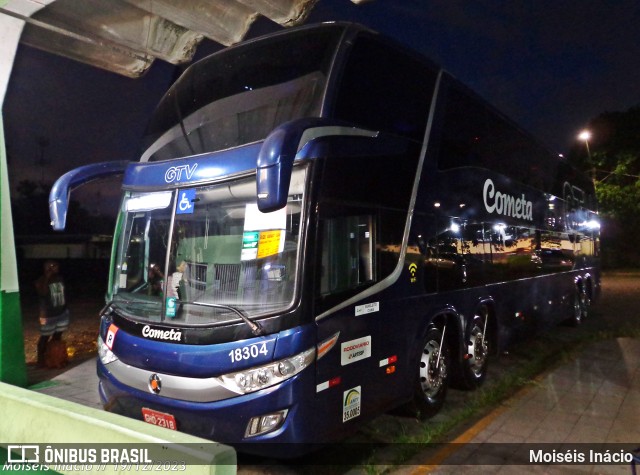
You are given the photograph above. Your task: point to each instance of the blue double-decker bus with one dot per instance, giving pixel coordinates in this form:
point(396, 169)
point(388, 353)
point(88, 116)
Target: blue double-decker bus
point(324, 226)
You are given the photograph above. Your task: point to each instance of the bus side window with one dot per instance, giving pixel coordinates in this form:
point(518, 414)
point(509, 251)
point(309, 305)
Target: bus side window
point(449, 258)
point(474, 250)
point(348, 253)
point(555, 253)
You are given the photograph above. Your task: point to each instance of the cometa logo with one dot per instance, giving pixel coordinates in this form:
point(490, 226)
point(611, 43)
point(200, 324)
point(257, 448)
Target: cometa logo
point(504, 204)
point(158, 334)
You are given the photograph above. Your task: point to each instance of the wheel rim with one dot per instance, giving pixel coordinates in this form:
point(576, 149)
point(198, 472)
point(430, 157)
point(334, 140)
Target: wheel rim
point(478, 349)
point(585, 302)
point(577, 307)
point(432, 372)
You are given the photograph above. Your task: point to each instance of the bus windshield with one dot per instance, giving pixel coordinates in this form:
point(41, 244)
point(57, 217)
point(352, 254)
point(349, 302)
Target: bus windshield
point(238, 96)
point(193, 256)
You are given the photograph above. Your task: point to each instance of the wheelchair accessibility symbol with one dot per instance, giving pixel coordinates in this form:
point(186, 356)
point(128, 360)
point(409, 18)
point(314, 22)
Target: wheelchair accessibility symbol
point(186, 199)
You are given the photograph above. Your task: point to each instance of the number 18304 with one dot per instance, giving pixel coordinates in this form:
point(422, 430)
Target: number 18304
point(248, 352)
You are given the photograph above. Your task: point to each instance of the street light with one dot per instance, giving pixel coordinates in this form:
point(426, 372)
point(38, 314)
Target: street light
point(585, 136)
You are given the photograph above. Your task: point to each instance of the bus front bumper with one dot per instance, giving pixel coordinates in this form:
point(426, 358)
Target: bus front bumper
point(274, 410)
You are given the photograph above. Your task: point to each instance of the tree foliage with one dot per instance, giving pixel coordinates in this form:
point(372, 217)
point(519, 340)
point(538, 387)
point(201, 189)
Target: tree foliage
point(30, 210)
point(612, 159)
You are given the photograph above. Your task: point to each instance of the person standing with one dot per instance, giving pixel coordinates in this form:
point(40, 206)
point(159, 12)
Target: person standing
point(54, 314)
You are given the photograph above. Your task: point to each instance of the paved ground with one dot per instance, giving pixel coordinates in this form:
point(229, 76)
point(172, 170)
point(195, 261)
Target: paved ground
point(591, 400)
point(79, 383)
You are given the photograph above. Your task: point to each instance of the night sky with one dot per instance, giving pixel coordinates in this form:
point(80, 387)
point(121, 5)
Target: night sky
point(551, 65)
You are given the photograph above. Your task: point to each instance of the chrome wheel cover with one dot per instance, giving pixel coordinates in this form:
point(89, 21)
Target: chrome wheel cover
point(431, 377)
point(477, 350)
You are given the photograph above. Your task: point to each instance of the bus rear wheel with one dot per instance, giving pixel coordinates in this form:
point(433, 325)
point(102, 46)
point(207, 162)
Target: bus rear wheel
point(580, 307)
point(432, 374)
point(476, 359)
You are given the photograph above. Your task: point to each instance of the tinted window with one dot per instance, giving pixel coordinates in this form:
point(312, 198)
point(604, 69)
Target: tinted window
point(512, 252)
point(469, 133)
point(240, 95)
point(348, 257)
point(382, 180)
point(385, 88)
point(358, 247)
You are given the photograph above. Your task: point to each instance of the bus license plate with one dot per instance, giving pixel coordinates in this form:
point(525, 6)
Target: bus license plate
point(161, 419)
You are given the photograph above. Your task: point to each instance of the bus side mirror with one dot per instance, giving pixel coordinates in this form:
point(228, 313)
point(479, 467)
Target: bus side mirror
point(275, 160)
point(274, 166)
point(279, 150)
point(59, 195)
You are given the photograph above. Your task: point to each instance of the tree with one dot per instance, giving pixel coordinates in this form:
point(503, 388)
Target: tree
point(30, 210)
point(613, 160)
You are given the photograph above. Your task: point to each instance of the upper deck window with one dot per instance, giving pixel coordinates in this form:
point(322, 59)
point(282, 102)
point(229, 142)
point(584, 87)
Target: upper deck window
point(385, 88)
point(470, 133)
point(240, 95)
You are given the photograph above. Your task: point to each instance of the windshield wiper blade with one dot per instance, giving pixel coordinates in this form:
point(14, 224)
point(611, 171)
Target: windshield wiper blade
point(256, 328)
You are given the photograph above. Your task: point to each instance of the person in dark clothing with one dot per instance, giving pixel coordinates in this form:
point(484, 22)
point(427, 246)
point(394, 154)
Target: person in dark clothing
point(54, 314)
point(156, 280)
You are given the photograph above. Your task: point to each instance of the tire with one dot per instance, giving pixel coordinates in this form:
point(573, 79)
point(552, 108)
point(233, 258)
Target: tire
point(579, 308)
point(432, 374)
point(586, 299)
point(476, 360)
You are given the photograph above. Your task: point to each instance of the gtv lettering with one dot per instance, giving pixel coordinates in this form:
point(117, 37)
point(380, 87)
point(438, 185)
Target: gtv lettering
point(174, 174)
point(504, 204)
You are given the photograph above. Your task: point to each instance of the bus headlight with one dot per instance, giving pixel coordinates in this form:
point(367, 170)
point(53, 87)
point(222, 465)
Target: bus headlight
point(106, 355)
point(260, 377)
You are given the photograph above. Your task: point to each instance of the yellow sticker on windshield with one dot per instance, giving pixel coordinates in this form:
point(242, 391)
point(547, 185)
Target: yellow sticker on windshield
point(269, 243)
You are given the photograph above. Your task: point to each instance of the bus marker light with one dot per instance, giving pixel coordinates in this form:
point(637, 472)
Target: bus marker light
point(388, 361)
point(328, 384)
point(325, 346)
point(105, 354)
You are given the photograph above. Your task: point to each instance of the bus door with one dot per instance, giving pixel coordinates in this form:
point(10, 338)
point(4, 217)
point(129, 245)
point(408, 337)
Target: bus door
point(348, 325)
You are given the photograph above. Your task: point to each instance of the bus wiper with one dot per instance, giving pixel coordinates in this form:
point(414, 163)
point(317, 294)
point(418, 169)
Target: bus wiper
point(116, 303)
point(256, 328)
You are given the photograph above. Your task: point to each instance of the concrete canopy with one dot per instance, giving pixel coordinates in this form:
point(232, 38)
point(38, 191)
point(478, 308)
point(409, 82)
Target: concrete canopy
point(126, 36)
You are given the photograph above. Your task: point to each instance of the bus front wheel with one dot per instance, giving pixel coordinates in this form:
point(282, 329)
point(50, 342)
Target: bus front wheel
point(432, 374)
